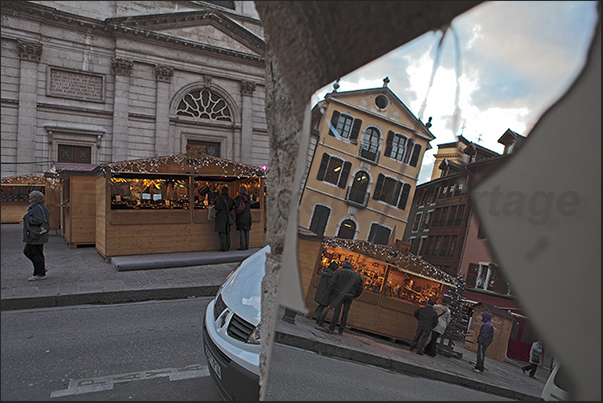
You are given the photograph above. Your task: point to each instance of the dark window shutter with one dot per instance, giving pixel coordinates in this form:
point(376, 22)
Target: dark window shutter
point(404, 196)
point(319, 220)
point(355, 131)
point(378, 187)
point(323, 166)
point(388, 143)
point(334, 121)
point(471, 275)
point(345, 172)
point(415, 155)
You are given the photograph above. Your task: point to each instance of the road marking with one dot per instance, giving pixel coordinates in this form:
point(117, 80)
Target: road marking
point(102, 383)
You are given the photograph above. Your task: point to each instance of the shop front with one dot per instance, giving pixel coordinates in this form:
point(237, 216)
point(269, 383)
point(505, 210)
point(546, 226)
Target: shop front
point(396, 283)
point(161, 205)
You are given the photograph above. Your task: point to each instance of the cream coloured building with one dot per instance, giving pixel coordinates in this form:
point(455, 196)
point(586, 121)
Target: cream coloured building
point(366, 155)
point(104, 81)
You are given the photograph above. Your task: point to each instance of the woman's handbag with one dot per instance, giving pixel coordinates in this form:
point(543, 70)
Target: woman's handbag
point(211, 213)
point(231, 218)
point(36, 231)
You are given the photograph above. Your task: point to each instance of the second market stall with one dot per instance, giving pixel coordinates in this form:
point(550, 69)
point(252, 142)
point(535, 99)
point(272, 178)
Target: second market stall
point(161, 205)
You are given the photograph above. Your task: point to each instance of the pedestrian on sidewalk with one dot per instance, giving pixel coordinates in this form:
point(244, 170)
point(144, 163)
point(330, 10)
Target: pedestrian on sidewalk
point(223, 205)
point(345, 286)
point(37, 215)
point(535, 358)
point(242, 209)
point(322, 296)
point(484, 339)
point(428, 319)
point(443, 320)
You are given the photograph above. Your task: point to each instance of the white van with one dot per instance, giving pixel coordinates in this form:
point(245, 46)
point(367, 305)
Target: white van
point(557, 386)
point(231, 331)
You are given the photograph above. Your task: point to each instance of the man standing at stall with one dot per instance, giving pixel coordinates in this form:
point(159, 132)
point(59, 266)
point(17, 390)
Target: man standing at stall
point(344, 287)
point(428, 319)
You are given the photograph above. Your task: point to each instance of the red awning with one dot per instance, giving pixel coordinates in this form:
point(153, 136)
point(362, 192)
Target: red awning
point(499, 302)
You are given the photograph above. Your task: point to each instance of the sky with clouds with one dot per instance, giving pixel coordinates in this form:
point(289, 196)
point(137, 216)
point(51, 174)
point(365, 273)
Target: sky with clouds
point(505, 62)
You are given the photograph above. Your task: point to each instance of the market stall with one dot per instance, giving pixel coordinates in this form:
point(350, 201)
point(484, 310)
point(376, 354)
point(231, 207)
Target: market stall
point(15, 197)
point(396, 283)
point(161, 205)
point(77, 189)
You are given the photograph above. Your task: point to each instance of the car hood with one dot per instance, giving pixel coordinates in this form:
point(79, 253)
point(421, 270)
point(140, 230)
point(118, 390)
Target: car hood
point(242, 290)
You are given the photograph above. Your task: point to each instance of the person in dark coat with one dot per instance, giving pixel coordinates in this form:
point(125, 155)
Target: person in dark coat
point(484, 339)
point(223, 206)
point(344, 287)
point(322, 296)
point(243, 220)
point(428, 319)
point(37, 213)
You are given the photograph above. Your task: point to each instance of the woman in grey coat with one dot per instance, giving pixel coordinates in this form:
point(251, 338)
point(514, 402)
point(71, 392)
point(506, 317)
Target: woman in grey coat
point(243, 219)
point(37, 213)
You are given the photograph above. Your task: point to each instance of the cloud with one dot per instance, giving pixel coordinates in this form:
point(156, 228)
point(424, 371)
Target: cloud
point(513, 60)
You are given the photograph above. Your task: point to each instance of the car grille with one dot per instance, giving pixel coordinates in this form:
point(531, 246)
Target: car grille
point(219, 306)
point(240, 329)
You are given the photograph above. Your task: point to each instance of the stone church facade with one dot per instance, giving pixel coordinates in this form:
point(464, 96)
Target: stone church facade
point(106, 81)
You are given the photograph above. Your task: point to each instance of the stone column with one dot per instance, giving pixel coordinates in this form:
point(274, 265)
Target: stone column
point(30, 54)
point(121, 69)
point(246, 137)
point(163, 78)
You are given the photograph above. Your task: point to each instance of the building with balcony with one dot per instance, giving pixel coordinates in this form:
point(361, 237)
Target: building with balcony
point(363, 164)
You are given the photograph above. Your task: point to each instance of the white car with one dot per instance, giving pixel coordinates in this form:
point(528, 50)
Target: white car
point(557, 386)
point(231, 330)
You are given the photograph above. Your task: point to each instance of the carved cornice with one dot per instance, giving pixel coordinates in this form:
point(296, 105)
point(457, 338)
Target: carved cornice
point(31, 51)
point(121, 66)
point(247, 88)
point(164, 73)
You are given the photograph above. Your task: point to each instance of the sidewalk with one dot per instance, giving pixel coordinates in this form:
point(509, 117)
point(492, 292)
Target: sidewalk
point(82, 276)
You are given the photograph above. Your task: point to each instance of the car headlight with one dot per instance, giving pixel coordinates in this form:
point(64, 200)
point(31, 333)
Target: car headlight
point(254, 337)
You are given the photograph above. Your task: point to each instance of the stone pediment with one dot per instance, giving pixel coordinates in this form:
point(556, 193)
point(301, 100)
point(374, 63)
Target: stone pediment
point(205, 27)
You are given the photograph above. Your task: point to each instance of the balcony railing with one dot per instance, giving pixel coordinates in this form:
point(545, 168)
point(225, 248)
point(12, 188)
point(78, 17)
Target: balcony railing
point(368, 155)
point(356, 198)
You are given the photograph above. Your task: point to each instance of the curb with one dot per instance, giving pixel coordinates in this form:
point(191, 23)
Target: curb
point(330, 350)
point(110, 297)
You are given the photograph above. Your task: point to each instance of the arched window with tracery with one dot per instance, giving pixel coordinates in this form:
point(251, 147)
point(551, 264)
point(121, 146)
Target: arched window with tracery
point(204, 104)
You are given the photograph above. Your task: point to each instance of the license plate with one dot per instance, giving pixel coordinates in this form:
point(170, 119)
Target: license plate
point(213, 363)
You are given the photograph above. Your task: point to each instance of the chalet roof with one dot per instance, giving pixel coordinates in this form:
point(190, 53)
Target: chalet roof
point(189, 165)
point(26, 179)
point(404, 261)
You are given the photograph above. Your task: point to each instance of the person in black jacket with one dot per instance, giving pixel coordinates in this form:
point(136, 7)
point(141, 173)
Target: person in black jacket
point(243, 218)
point(344, 287)
point(37, 213)
point(428, 319)
point(322, 296)
point(223, 205)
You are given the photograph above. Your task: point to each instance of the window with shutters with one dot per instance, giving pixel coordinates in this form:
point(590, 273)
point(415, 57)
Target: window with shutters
point(402, 149)
point(320, 218)
point(417, 222)
point(391, 191)
point(357, 192)
point(379, 234)
point(334, 170)
point(344, 126)
point(369, 149)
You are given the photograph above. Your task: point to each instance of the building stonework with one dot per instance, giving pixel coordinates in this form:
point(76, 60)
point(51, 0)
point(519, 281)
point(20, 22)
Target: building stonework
point(111, 78)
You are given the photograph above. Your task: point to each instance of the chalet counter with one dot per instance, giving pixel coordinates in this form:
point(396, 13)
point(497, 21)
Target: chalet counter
point(162, 206)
